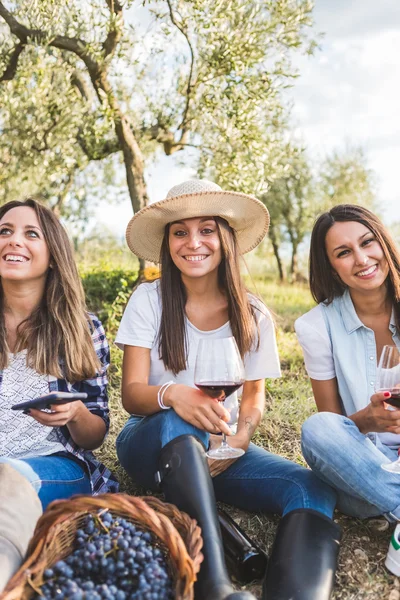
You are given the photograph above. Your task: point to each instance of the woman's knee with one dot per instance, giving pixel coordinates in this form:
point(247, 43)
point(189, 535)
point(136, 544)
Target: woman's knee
point(174, 426)
point(320, 432)
point(23, 469)
point(125, 445)
point(304, 489)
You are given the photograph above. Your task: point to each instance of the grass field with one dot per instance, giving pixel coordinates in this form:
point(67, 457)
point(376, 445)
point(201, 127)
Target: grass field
point(361, 574)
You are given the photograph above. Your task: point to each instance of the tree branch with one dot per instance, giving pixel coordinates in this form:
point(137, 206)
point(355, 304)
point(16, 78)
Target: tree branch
point(115, 33)
point(11, 68)
point(45, 145)
point(99, 152)
point(79, 81)
point(19, 30)
point(56, 208)
point(75, 45)
point(190, 84)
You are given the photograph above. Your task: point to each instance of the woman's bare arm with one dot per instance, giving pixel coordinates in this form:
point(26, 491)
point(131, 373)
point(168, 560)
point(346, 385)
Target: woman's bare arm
point(374, 417)
point(251, 410)
point(326, 395)
point(194, 406)
point(138, 397)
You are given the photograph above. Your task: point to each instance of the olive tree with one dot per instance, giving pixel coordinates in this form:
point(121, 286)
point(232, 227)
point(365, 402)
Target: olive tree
point(83, 82)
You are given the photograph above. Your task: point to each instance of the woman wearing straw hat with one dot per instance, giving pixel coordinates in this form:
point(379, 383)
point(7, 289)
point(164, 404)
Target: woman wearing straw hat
point(197, 234)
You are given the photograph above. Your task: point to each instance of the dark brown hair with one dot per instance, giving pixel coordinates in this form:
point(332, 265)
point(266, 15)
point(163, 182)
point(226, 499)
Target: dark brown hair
point(324, 285)
point(56, 334)
point(172, 335)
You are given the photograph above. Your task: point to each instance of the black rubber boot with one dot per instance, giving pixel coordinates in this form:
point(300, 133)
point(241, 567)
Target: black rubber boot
point(185, 479)
point(303, 561)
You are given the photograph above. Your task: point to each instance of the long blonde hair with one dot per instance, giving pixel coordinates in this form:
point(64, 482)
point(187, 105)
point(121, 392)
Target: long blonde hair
point(57, 333)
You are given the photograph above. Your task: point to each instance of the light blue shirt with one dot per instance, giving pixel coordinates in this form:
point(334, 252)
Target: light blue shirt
point(337, 344)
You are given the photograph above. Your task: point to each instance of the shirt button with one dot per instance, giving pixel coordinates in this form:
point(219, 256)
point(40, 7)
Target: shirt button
point(371, 358)
point(371, 383)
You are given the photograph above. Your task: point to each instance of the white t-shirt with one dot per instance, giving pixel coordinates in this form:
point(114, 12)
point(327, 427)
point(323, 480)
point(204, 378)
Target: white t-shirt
point(140, 325)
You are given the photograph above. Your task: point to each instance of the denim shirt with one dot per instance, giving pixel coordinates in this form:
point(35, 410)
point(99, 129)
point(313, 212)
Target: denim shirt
point(352, 351)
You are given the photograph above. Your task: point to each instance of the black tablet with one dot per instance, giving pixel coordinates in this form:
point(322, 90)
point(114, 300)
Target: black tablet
point(49, 399)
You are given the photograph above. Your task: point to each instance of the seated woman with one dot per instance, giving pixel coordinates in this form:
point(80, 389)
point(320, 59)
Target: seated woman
point(48, 343)
point(197, 234)
point(355, 277)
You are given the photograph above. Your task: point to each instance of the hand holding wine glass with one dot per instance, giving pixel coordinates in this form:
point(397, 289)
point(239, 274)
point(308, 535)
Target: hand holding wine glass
point(219, 372)
point(388, 379)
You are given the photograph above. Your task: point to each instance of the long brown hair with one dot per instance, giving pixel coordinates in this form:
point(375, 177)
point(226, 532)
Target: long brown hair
point(172, 335)
point(56, 334)
point(324, 285)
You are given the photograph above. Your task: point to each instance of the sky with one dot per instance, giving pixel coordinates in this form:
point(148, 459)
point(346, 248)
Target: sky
point(349, 91)
point(348, 94)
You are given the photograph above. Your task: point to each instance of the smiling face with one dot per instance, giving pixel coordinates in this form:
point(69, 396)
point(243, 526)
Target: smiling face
point(356, 256)
point(195, 246)
point(24, 254)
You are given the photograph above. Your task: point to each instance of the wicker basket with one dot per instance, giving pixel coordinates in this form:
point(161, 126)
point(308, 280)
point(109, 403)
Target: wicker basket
point(55, 532)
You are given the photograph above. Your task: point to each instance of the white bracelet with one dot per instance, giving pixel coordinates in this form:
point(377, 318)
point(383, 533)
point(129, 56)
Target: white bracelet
point(160, 395)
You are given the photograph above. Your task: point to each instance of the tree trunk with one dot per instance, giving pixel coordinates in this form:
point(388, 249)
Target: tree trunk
point(133, 159)
point(294, 266)
point(281, 271)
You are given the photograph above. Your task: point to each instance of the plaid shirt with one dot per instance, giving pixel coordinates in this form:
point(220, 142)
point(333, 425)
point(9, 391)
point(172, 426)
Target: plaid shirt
point(101, 478)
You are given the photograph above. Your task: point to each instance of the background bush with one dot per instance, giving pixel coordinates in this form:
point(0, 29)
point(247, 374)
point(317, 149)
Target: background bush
point(107, 291)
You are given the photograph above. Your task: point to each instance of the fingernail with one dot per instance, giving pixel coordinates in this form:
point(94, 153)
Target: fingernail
point(386, 394)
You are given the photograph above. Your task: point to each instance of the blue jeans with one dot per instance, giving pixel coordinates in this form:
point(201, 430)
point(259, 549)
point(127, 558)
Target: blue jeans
point(257, 481)
point(351, 462)
point(53, 477)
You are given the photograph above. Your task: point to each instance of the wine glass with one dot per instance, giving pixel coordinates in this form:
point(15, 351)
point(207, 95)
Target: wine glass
point(219, 372)
point(388, 380)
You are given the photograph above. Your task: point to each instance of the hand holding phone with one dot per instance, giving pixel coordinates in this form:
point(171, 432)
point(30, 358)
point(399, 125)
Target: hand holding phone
point(49, 399)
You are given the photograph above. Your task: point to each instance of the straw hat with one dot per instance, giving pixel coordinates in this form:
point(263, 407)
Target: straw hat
point(197, 198)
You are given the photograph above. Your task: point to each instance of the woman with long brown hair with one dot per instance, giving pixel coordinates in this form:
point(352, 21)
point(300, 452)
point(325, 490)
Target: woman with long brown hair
point(355, 278)
point(198, 234)
point(48, 344)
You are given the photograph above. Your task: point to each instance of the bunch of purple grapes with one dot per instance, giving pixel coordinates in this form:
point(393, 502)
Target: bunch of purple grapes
point(113, 559)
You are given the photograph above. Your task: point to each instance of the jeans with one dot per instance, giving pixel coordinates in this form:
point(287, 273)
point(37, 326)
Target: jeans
point(53, 477)
point(257, 481)
point(351, 462)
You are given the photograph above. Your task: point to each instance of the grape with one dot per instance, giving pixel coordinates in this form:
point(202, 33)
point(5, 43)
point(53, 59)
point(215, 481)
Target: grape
point(112, 560)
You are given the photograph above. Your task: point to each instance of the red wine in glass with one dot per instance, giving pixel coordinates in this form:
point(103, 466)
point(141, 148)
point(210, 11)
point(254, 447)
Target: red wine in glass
point(219, 372)
point(388, 380)
point(214, 388)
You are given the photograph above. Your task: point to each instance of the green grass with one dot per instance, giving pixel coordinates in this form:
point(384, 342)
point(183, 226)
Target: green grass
point(289, 402)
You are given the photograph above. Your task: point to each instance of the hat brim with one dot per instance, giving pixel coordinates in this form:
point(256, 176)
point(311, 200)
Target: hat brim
point(245, 214)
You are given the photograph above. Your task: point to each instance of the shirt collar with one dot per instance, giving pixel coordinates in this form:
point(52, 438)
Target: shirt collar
point(350, 318)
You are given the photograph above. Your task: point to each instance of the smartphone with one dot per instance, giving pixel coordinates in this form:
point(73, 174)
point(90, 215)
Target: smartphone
point(47, 401)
